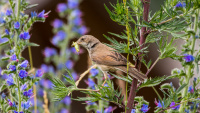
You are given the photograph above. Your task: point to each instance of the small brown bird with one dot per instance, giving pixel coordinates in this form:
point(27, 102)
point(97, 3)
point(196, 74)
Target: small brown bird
point(106, 58)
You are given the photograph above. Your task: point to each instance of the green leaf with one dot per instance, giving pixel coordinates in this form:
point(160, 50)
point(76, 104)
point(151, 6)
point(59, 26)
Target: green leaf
point(31, 6)
point(32, 44)
point(5, 58)
point(180, 88)
point(153, 81)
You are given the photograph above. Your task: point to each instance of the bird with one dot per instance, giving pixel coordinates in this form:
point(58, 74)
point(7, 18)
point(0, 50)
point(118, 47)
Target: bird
point(107, 59)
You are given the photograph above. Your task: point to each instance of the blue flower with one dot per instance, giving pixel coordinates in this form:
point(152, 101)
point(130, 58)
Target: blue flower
point(24, 64)
point(10, 80)
point(180, 5)
point(67, 100)
point(187, 110)
point(172, 105)
point(191, 89)
point(48, 52)
point(94, 72)
point(76, 13)
point(60, 36)
point(12, 67)
point(7, 32)
point(8, 12)
point(24, 36)
point(23, 74)
point(133, 111)
point(77, 21)
point(13, 57)
point(73, 4)
point(2, 21)
point(23, 87)
point(33, 14)
point(42, 14)
point(17, 25)
point(144, 108)
point(82, 30)
point(75, 76)
point(28, 93)
point(3, 95)
point(61, 7)
point(108, 110)
point(46, 83)
point(2, 40)
point(188, 58)
point(39, 73)
point(196, 36)
point(90, 103)
point(26, 105)
point(158, 104)
point(91, 83)
point(195, 79)
point(57, 23)
point(69, 64)
point(19, 112)
point(64, 110)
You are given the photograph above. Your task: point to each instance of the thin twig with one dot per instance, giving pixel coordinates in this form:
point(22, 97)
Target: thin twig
point(152, 66)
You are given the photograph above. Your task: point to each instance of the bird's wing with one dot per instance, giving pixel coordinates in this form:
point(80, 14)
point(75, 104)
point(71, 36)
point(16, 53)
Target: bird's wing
point(110, 58)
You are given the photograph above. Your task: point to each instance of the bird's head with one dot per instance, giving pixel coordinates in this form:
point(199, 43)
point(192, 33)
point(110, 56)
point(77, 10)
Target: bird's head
point(87, 41)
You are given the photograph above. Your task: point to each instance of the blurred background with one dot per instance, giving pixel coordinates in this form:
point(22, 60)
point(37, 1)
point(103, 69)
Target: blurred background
point(98, 23)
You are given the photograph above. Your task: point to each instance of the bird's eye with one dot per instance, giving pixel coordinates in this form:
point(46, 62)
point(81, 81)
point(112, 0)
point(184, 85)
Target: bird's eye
point(82, 39)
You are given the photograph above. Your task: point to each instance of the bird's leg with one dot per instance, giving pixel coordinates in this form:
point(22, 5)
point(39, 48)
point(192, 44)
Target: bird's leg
point(85, 73)
point(106, 77)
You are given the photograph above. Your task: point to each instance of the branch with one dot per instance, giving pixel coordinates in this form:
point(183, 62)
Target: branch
point(143, 35)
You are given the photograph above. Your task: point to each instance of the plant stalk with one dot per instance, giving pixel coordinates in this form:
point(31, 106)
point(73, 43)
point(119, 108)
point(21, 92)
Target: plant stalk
point(189, 69)
point(143, 35)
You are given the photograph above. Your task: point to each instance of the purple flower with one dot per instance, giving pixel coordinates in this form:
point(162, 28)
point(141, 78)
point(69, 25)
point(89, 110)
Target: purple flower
point(7, 32)
point(172, 105)
point(75, 76)
point(44, 68)
point(73, 4)
point(39, 73)
point(133, 111)
point(24, 64)
point(144, 108)
point(63, 110)
point(40, 92)
point(196, 36)
point(77, 21)
point(67, 100)
point(48, 52)
point(10, 80)
point(19, 112)
point(42, 14)
point(23, 87)
point(180, 5)
point(28, 93)
point(61, 7)
point(2, 21)
point(94, 72)
point(13, 57)
point(191, 89)
point(57, 23)
point(76, 13)
point(108, 110)
point(8, 12)
point(23, 74)
point(10, 103)
point(26, 105)
point(188, 58)
point(24, 36)
point(46, 83)
point(17, 25)
point(187, 110)
point(12, 67)
point(69, 64)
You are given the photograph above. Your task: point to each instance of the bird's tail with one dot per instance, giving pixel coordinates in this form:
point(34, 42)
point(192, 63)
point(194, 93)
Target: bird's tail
point(134, 73)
